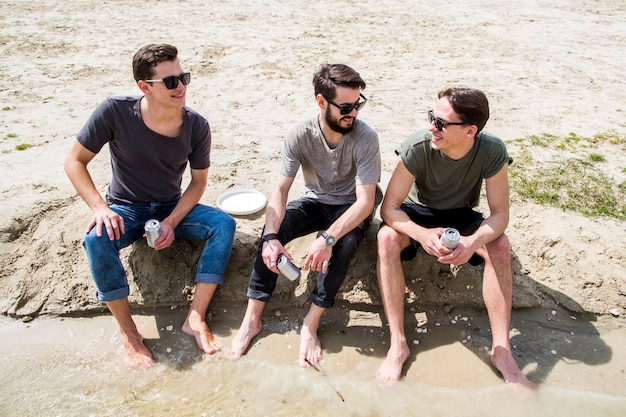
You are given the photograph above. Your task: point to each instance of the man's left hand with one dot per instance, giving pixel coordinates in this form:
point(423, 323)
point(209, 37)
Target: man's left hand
point(318, 256)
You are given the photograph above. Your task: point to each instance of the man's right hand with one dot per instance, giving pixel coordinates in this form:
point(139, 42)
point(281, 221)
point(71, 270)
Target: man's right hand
point(272, 249)
point(112, 222)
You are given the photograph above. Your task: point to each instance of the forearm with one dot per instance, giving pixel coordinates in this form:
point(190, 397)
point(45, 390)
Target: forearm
point(491, 228)
point(398, 220)
point(351, 218)
point(187, 202)
point(83, 183)
point(275, 211)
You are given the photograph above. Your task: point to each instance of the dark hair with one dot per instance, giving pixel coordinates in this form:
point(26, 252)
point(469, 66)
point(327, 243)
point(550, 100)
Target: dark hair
point(329, 76)
point(146, 58)
point(470, 104)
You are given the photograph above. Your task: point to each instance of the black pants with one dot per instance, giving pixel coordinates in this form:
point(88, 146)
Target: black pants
point(304, 216)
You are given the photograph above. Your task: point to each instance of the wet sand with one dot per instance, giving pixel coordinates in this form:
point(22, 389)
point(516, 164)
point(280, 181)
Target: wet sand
point(75, 367)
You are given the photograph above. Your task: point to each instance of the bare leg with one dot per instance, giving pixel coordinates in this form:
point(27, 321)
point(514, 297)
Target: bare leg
point(310, 346)
point(195, 325)
point(250, 327)
point(498, 295)
point(392, 288)
point(137, 354)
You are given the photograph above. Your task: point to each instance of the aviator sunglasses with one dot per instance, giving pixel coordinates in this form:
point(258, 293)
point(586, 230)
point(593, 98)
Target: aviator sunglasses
point(347, 108)
point(440, 123)
point(171, 82)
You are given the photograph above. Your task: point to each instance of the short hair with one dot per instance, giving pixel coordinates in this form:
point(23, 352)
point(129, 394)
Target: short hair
point(329, 76)
point(146, 58)
point(470, 104)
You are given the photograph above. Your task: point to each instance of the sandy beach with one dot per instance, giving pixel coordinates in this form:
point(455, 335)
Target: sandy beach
point(547, 67)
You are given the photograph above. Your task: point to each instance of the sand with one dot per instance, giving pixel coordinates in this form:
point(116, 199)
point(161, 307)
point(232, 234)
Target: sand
point(547, 67)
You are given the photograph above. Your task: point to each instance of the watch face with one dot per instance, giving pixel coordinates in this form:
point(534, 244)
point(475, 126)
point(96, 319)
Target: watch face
point(330, 240)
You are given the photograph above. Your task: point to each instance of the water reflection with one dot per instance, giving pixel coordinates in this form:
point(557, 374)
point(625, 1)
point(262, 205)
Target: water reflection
point(75, 368)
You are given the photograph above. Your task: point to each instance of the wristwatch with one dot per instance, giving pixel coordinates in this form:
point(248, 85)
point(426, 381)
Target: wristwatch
point(268, 237)
point(330, 240)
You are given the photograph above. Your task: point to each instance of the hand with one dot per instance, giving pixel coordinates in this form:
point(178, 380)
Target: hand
point(167, 236)
point(457, 256)
point(318, 256)
point(112, 222)
point(272, 249)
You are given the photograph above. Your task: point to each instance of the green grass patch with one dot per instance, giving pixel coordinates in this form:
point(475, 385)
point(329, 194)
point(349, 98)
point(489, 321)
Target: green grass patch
point(573, 183)
point(22, 146)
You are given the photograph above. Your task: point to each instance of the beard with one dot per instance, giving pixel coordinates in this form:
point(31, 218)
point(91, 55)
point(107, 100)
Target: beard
point(335, 124)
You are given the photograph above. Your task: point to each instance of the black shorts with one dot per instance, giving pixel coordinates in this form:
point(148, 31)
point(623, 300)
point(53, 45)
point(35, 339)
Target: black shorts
point(465, 220)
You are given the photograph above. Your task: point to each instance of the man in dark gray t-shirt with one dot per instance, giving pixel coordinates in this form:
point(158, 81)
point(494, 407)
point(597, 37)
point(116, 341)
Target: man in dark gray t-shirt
point(340, 160)
point(436, 185)
point(152, 138)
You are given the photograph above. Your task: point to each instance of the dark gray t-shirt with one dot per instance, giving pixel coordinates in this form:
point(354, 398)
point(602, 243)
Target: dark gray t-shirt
point(147, 167)
point(443, 183)
point(331, 175)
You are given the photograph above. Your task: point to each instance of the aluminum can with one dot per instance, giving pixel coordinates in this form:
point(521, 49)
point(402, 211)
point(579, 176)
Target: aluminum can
point(450, 238)
point(288, 269)
point(153, 231)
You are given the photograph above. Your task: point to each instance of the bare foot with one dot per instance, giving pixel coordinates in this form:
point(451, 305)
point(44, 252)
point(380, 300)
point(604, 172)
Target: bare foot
point(206, 341)
point(503, 360)
point(137, 354)
point(242, 339)
point(391, 368)
point(310, 347)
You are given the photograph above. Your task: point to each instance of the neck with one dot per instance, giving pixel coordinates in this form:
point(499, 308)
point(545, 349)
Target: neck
point(166, 121)
point(461, 150)
point(156, 112)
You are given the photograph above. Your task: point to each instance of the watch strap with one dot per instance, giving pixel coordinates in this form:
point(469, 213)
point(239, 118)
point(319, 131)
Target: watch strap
point(268, 237)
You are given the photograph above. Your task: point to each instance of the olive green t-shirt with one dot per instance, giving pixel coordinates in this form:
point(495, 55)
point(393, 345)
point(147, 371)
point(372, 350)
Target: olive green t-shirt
point(443, 183)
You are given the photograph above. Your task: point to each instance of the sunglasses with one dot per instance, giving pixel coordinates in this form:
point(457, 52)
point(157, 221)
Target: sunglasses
point(171, 82)
point(347, 108)
point(440, 123)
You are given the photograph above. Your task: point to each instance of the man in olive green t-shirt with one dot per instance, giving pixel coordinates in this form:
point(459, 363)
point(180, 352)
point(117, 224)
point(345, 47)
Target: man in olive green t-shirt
point(436, 184)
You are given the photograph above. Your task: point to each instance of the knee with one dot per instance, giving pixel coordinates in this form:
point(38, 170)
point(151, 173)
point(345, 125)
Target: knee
point(90, 239)
point(229, 224)
point(388, 241)
point(500, 249)
point(226, 225)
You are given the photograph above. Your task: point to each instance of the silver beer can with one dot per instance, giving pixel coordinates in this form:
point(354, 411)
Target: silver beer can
point(153, 231)
point(288, 269)
point(450, 238)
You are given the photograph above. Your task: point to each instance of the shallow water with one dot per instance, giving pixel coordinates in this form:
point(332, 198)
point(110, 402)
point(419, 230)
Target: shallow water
point(74, 367)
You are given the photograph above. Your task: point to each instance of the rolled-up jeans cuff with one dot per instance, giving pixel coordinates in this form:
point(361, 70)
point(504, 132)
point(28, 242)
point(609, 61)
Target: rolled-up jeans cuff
point(259, 295)
point(210, 278)
point(320, 302)
point(113, 295)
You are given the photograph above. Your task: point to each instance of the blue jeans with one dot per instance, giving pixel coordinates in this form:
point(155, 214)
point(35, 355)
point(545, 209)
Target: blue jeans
point(304, 216)
point(202, 223)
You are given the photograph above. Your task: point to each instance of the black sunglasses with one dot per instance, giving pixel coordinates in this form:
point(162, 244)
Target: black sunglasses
point(440, 123)
point(347, 108)
point(171, 82)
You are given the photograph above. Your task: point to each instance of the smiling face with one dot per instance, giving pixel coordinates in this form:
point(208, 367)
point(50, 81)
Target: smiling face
point(341, 123)
point(453, 140)
point(158, 92)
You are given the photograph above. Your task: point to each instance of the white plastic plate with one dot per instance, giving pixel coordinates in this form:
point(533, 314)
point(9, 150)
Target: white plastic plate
point(241, 202)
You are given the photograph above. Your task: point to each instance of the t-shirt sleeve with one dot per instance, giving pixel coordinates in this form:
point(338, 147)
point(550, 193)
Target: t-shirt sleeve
point(200, 157)
point(369, 165)
point(498, 158)
point(99, 128)
point(407, 153)
point(290, 161)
